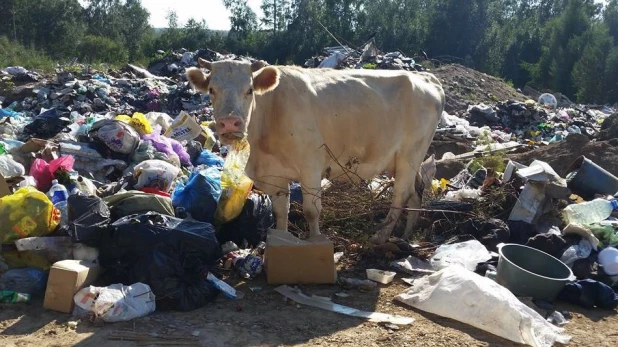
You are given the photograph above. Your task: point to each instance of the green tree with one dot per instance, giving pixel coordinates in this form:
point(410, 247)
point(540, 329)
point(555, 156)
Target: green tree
point(590, 70)
point(243, 19)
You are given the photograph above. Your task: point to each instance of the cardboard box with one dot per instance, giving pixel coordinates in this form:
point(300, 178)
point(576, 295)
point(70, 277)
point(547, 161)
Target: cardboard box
point(66, 278)
point(290, 260)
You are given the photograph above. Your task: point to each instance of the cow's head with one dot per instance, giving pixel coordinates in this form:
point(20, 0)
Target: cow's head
point(232, 86)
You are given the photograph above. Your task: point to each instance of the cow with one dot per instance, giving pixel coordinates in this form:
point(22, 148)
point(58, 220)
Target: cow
point(304, 125)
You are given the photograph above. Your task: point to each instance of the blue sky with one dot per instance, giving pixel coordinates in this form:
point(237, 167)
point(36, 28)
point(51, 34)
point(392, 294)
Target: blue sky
point(213, 11)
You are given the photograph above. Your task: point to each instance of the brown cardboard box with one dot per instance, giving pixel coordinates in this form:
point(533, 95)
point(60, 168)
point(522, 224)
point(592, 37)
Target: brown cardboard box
point(289, 260)
point(67, 277)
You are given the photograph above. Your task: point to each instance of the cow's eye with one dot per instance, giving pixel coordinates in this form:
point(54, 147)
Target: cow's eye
point(250, 91)
point(211, 91)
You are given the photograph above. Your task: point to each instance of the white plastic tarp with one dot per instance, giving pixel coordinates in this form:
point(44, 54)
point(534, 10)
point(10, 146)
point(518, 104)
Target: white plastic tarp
point(469, 298)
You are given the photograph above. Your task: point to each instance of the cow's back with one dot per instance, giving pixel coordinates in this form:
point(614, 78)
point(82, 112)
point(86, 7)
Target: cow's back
point(360, 116)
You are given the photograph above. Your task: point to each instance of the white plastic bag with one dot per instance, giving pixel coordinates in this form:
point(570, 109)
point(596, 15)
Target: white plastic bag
point(464, 296)
point(155, 173)
point(116, 303)
point(10, 168)
point(467, 254)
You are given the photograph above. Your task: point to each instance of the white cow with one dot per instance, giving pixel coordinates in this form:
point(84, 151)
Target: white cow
point(307, 124)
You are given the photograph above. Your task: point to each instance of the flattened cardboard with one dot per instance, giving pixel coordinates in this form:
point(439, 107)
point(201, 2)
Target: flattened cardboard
point(66, 278)
point(290, 260)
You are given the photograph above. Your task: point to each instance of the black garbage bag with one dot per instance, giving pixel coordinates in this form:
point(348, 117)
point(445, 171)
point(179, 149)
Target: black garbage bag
point(252, 224)
point(47, 125)
point(89, 216)
point(489, 232)
point(169, 254)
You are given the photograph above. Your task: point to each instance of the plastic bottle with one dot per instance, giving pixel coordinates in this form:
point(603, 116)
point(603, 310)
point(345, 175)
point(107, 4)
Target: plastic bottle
point(57, 192)
point(9, 296)
point(590, 212)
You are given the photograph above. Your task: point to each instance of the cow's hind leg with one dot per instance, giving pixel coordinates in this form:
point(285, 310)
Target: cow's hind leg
point(312, 202)
point(278, 191)
point(414, 203)
point(405, 173)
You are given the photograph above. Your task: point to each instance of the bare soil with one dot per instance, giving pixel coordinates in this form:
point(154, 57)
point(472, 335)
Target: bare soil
point(263, 319)
point(464, 86)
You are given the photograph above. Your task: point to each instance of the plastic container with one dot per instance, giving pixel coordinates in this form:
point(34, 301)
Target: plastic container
point(609, 259)
point(57, 192)
point(585, 178)
point(526, 271)
point(590, 212)
point(380, 276)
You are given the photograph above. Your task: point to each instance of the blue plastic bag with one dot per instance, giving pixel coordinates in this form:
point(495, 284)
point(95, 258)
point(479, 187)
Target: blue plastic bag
point(28, 280)
point(200, 195)
point(7, 112)
point(209, 159)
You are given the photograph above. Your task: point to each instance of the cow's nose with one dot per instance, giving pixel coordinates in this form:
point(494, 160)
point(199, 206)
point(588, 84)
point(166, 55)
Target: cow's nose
point(229, 125)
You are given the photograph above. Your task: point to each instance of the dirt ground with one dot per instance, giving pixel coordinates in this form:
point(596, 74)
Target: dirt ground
point(263, 318)
point(464, 86)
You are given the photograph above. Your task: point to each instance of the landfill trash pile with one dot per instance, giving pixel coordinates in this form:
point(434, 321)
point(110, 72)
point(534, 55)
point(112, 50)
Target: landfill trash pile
point(174, 64)
point(369, 57)
point(115, 191)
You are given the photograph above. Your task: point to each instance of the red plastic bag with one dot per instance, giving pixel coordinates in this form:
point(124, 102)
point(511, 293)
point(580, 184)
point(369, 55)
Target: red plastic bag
point(43, 172)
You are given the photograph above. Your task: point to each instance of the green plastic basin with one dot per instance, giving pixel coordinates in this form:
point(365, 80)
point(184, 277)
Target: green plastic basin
point(526, 271)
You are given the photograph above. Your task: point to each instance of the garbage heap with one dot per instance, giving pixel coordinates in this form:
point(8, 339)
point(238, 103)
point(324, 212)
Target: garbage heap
point(531, 123)
point(369, 57)
point(173, 64)
point(114, 184)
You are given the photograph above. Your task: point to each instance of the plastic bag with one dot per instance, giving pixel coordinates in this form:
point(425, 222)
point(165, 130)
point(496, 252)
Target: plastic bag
point(88, 216)
point(467, 254)
point(140, 124)
point(200, 195)
point(117, 303)
point(575, 252)
point(235, 185)
point(47, 124)
point(28, 280)
point(167, 146)
point(10, 168)
point(158, 118)
point(209, 159)
point(167, 253)
point(44, 172)
point(469, 298)
point(27, 212)
point(52, 248)
point(116, 135)
point(253, 223)
point(155, 174)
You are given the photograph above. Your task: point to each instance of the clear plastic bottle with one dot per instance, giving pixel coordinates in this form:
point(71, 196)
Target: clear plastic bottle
point(590, 212)
point(57, 192)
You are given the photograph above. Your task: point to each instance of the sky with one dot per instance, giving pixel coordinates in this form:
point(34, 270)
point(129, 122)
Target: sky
point(212, 11)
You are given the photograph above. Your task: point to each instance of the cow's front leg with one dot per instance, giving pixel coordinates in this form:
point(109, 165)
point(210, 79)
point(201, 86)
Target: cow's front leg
point(312, 203)
point(278, 190)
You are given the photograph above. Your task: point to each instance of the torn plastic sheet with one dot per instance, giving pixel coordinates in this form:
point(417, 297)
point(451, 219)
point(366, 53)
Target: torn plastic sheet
point(302, 299)
point(412, 265)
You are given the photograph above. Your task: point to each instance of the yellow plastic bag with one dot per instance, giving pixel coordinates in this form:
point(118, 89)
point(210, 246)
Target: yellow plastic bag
point(140, 124)
point(235, 185)
point(26, 213)
point(123, 118)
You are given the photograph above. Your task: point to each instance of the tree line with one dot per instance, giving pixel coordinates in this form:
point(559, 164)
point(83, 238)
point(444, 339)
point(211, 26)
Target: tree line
point(570, 46)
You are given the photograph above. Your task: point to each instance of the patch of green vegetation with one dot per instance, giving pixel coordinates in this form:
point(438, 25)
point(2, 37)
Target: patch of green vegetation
point(370, 66)
point(14, 54)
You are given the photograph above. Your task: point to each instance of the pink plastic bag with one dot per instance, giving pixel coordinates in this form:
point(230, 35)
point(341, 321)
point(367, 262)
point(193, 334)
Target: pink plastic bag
point(43, 172)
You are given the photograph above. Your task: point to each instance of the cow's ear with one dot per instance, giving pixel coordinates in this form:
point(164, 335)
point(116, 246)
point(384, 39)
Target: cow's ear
point(265, 80)
point(198, 79)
